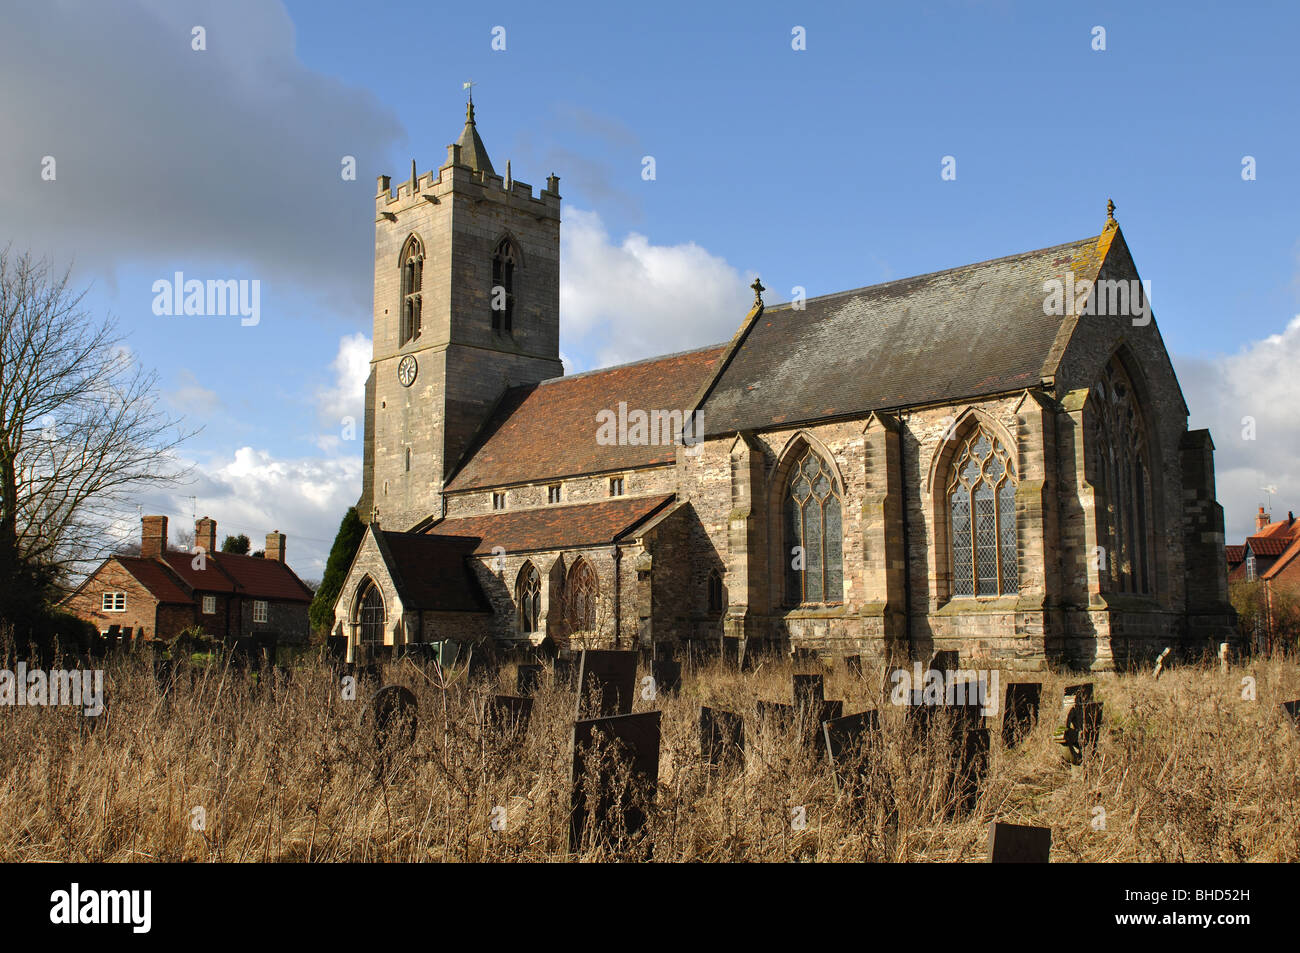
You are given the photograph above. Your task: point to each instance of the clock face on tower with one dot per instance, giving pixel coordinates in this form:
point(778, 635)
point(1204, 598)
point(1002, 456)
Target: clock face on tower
point(407, 370)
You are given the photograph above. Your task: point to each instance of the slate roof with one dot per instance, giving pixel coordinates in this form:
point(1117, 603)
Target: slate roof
point(156, 578)
point(553, 527)
point(548, 430)
point(966, 332)
point(430, 572)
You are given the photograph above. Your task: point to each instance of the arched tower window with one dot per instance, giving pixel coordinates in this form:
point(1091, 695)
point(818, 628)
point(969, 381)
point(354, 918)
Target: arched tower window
point(982, 514)
point(370, 615)
point(814, 551)
point(581, 593)
point(528, 596)
point(504, 260)
point(1123, 469)
point(716, 598)
point(412, 280)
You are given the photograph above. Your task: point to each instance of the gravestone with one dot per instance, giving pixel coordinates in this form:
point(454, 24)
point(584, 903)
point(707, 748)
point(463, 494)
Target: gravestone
point(163, 675)
point(336, 648)
point(243, 653)
point(808, 691)
point(1020, 712)
point(667, 676)
point(268, 644)
point(1082, 730)
point(114, 633)
point(606, 682)
point(722, 736)
point(565, 674)
point(396, 714)
point(1292, 710)
point(775, 711)
point(634, 740)
point(1075, 693)
point(509, 714)
point(1019, 844)
point(853, 665)
point(972, 767)
point(528, 678)
point(844, 738)
point(127, 636)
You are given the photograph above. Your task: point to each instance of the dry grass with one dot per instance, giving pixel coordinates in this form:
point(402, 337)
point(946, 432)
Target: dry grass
point(1186, 771)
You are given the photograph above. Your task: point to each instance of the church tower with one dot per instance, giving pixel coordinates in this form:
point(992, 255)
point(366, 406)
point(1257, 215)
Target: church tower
point(467, 303)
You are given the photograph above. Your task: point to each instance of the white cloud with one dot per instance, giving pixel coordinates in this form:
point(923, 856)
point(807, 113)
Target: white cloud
point(633, 299)
point(1260, 382)
point(346, 395)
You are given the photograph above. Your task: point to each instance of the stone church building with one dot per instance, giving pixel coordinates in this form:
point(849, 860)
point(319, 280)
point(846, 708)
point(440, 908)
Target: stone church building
point(989, 459)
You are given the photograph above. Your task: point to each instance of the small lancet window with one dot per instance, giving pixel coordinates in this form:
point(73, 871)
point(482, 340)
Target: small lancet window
point(504, 260)
point(412, 280)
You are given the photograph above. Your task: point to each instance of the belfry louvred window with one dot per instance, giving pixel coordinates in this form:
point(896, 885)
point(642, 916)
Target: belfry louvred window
point(412, 280)
point(982, 514)
point(814, 551)
point(504, 260)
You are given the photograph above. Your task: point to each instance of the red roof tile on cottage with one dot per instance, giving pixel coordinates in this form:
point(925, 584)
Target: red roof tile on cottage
point(246, 575)
point(548, 430)
point(553, 527)
point(157, 578)
point(1268, 545)
point(1235, 554)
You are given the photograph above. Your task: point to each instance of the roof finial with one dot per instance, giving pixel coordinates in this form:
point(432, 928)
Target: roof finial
point(1110, 212)
point(469, 107)
point(758, 292)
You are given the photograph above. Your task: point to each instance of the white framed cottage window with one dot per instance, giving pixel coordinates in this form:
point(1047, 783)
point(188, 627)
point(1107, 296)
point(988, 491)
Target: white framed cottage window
point(209, 605)
point(114, 602)
point(259, 611)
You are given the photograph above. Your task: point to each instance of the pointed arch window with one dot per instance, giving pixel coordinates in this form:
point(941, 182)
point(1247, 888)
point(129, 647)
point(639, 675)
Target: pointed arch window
point(982, 514)
point(528, 596)
point(504, 260)
point(814, 550)
point(581, 594)
point(1124, 479)
point(370, 615)
point(412, 281)
point(717, 600)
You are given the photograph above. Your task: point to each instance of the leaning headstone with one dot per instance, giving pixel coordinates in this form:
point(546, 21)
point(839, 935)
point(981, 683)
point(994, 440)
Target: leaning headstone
point(606, 682)
point(667, 676)
point(528, 678)
point(508, 713)
point(1161, 662)
point(1019, 844)
point(635, 743)
point(1074, 694)
point(722, 736)
point(396, 716)
point(809, 691)
point(565, 673)
point(844, 738)
point(1082, 729)
point(730, 651)
point(1020, 712)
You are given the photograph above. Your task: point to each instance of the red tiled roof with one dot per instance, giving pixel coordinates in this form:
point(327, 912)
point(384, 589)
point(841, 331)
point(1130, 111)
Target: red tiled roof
point(1280, 528)
point(1235, 553)
point(553, 527)
point(155, 577)
point(1268, 545)
point(1287, 559)
point(548, 430)
point(245, 575)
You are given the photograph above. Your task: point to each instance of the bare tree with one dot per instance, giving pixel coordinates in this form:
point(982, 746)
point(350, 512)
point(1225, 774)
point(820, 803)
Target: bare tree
point(80, 428)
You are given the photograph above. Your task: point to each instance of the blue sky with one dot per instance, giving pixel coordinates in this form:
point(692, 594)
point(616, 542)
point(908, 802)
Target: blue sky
point(817, 168)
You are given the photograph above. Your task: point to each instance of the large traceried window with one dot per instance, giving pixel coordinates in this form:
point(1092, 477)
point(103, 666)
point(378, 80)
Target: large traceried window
point(503, 286)
point(528, 596)
point(814, 550)
point(982, 514)
point(412, 280)
point(1124, 480)
point(581, 594)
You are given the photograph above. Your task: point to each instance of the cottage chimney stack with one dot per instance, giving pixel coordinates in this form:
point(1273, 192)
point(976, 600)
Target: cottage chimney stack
point(153, 536)
point(205, 534)
point(1261, 519)
point(275, 546)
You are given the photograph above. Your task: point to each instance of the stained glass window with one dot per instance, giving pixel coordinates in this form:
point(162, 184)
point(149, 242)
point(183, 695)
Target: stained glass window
point(814, 533)
point(982, 516)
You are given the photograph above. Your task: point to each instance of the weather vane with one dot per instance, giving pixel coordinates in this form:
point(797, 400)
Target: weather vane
point(469, 85)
